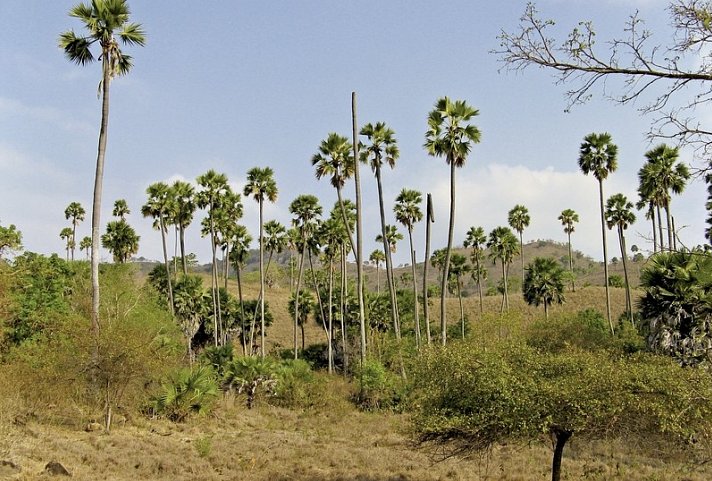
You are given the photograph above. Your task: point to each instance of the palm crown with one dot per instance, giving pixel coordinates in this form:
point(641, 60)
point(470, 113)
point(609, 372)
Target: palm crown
point(261, 184)
point(448, 133)
point(334, 159)
point(383, 146)
point(619, 212)
point(568, 218)
point(407, 208)
point(598, 155)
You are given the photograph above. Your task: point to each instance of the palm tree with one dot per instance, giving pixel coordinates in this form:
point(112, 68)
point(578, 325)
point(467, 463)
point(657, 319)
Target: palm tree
point(85, 245)
point(275, 240)
point(429, 219)
point(502, 244)
point(568, 218)
point(459, 268)
point(359, 232)
point(392, 238)
point(214, 187)
point(191, 306)
point(121, 209)
point(66, 235)
point(383, 148)
point(76, 212)
point(408, 213)
point(260, 186)
point(377, 256)
point(599, 156)
point(544, 283)
point(158, 206)
point(306, 211)
point(300, 306)
point(183, 203)
point(519, 219)
point(239, 254)
point(669, 177)
point(104, 20)
point(476, 240)
point(619, 214)
point(450, 136)
point(121, 240)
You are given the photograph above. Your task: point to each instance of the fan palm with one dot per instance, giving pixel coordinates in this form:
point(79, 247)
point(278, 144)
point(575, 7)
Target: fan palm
point(121, 240)
point(76, 212)
point(382, 149)
point(476, 239)
point(458, 269)
point(568, 218)
point(66, 235)
point(183, 208)
point(85, 245)
point(503, 245)
point(450, 136)
point(619, 214)
point(158, 207)
point(239, 254)
point(544, 283)
point(598, 155)
point(377, 256)
point(104, 20)
point(408, 213)
point(519, 219)
point(261, 186)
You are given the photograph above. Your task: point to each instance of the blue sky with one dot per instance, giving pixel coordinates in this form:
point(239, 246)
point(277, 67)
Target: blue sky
point(233, 85)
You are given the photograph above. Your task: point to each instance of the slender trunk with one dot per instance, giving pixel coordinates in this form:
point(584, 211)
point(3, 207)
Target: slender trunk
point(628, 300)
point(561, 436)
point(668, 220)
point(330, 332)
point(175, 250)
point(571, 264)
point(378, 276)
point(96, 205)
point(505, 301)
point(479, 282)
point(182, 250)
point(605, 258)
point(415, 289)
point(74, 236)
point(316, 289)
point(660, 228)
point(359, 232)
point(521, 252)
point(428, 220)
point(238, 275)
point(344, 293)
point(213, 281)
point(226, 264)
point(161, 225)
point(387, 252)
point(345, 218)
point(655, 232)
point(269, 261)
point(674, 234)
point(262, 283)
point(296, 298)
point(546, 310)
point(462, 309)
point(446, 267)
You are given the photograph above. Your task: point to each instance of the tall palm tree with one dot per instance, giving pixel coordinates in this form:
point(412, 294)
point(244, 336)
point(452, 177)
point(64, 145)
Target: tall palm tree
point(544, 283)
point(121, 240)
point(121, 209)
point(670, 176)
point(392, 238)
point(85, 245)
point(241, 240)
point(105, 20)
point(359, 232)
point(66, 235)
point(503, 245)
point(382, 149)
point(408, 213)
point(598, 155)
point(261, 186)
point(619, 213)
point(306, 211)
point(76, 212)
point(450, 136)
point(568, 218)
point(275, 240)
point(183, 197)
point(214, 186)
point(519, 219)
point(158, 207)
point(429, 219)
point(476, 239)
point(377, 256)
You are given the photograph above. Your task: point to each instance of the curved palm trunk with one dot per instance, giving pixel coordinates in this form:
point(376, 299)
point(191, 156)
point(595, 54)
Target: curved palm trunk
point(389, 261)
point(162, 226)
point(96, 203)
point(605, 258)
point(426, 313)
point(446, 266)
point(415, 289)
point(359, 232)
point(571, 264)
point(628, 301)
point(262, 284)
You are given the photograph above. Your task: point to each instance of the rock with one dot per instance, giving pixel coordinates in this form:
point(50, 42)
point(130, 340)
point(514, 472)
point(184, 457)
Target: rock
point(54, 468)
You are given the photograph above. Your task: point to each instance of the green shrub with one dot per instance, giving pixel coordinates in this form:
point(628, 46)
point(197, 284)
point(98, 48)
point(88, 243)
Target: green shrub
point(586, 330)
point(250, 374)
point(616, 280)
point(379, 388)
point(296, 385)
point(188, 391)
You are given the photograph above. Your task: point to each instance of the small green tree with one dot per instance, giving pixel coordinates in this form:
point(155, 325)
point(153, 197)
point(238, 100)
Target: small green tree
point(10, 239)
point(544, 283)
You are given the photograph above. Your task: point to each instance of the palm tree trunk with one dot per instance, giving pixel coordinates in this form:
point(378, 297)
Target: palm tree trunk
point(479, 283)
point(605, 258)
point(521, 251)
point(161, 225)
point(668, 219)
point(628, 301)
point(262, 283)
point(344, 293)
point(660, 228)
point(506, 286)
point(571, 264)
point(428, 221)
point(359, 232)
point(655, 232)
point(546, 310)
point(96, 204)
point(175, 250)
point(213, 280)
point(316, 289)
point(378, 276)
point(462, 309)
point(446, 266)
point(330, 332)
point(674, 234)
point(387, 251)
point(415, 289)
point(296, 298)
point(74, 235)
point(182, 250)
